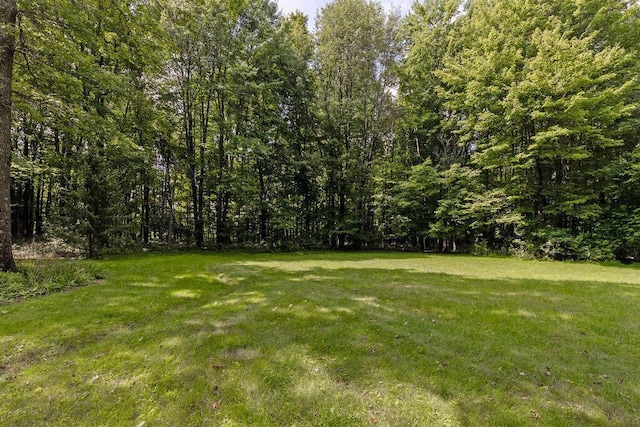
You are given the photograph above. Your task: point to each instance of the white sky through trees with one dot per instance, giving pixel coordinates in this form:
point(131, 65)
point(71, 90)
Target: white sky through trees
point(311, 7)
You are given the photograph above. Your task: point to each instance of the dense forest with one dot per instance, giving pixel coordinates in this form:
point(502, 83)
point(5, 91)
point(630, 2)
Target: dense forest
point(479, 125)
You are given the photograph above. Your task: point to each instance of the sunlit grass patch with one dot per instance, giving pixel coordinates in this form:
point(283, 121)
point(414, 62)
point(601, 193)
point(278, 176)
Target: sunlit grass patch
point(327, 339)
point(464, 266)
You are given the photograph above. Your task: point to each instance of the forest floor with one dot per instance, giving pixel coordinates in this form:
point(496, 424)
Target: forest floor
point(327, 339)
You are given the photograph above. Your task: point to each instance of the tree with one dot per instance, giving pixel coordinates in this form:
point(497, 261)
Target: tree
point(193, 69)
point(424, 127)
point(452, 221)
point(220, 121)
point(7, 40)
point(415, 202)
point(540, 94)
point(357, 49)
point(81, 148)
point(298, 165)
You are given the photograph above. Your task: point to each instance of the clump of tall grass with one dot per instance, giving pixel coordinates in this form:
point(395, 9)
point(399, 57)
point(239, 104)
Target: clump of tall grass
point(42, 277)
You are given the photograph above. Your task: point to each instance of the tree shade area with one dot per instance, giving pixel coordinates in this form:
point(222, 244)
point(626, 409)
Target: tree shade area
point(465, 126)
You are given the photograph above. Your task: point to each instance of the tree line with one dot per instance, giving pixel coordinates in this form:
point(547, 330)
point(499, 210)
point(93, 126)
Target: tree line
point(485, 125)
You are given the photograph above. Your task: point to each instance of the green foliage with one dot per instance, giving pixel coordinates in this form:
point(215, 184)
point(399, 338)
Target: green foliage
point(77, 69)
point(452, 218)
point(42, 277)
point(509, 125)
point(541, 95)
point(427, 30)
point(416, 198)
point(617, 231)
point(356, 52)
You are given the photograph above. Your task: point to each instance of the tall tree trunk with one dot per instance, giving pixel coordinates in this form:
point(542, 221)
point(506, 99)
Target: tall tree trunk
point(197, 218)
point(146, 208)
point(222, 236)
point(39, 207)
point(193, 176)
point(22, 212)
point(264, 212)
point(171, 189)
point(202, 170)
point(7, 23)
point(342, 212)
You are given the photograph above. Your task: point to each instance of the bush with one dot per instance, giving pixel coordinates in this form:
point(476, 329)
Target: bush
point(559, 245)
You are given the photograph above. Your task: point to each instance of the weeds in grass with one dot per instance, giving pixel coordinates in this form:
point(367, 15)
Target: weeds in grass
point(41, 277)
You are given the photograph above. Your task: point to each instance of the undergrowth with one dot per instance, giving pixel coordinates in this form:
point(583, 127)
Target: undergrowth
point(42, 277)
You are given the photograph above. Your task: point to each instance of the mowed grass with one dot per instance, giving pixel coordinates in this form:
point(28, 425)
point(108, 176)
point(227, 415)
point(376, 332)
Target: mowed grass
point(327, 339)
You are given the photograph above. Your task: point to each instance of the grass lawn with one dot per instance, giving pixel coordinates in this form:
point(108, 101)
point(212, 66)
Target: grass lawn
point(327, 339)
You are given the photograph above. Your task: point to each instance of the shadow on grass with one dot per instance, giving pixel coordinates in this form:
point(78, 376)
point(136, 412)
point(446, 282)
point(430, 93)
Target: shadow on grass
point(273, 344)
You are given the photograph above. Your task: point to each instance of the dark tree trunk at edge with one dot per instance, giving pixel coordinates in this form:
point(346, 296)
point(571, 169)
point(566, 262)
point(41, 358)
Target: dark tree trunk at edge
point(7, 20)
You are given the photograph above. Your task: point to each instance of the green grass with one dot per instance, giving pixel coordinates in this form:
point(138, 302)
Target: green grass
point(327, 339)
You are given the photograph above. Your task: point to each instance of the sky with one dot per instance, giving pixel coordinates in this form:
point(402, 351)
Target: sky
point(310, 7)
